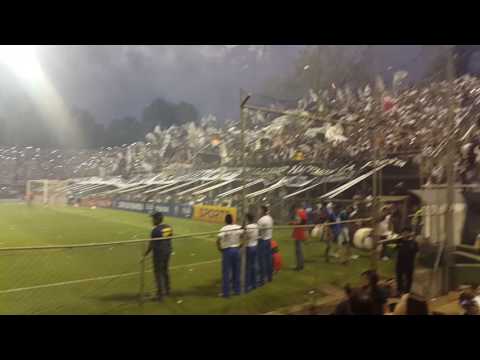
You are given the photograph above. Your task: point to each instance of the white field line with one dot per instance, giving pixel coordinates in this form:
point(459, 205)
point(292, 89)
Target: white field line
point(71, 282)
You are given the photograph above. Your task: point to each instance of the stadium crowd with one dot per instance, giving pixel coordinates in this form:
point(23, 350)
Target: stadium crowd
point(330, 129)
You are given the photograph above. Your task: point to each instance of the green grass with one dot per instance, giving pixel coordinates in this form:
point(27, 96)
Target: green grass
point(195, 273)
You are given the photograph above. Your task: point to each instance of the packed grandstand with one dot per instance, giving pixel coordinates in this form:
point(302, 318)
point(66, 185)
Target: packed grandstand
point(329, 137)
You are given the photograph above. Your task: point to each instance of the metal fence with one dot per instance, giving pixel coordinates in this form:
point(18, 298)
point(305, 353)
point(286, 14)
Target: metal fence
point(110, 278)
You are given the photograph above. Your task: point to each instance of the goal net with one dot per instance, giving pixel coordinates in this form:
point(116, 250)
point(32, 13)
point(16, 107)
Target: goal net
point(46, 192)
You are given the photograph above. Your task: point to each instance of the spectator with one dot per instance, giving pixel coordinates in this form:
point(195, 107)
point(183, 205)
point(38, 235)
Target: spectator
point(228, 244)
point(377, 296)
point(264, 249)
point(331, 218)
point(468, 303)
point(411, 304)
point(322, 214)
point(383, 230)
point(345, 306)
point(299, 235)
point(251, 231)
point(356, 302)
point(344, 234)
point(405, 263)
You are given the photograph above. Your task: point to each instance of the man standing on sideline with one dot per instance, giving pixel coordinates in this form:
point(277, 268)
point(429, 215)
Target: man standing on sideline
point(251, 234)
point(161, 246)
point(299, 236)
point(331, 218)
point(344, 234)
point(383, 229)
point(228, 244)
point(265, 260)
point(405, 266)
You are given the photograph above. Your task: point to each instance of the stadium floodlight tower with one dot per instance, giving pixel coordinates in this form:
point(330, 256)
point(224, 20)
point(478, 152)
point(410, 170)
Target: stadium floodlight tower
point(243, 102)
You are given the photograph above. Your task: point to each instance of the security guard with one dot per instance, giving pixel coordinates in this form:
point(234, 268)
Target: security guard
point(161, 245)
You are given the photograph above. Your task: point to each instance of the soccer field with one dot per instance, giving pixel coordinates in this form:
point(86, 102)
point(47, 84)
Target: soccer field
point(106, 279)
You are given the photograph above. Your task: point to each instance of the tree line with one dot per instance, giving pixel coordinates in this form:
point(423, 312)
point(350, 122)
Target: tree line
point(26, 126)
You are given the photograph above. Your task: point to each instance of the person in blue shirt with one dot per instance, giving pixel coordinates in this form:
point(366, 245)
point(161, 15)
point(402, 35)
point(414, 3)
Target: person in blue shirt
point(344, 234)
point(161, 246)
point(332, 218)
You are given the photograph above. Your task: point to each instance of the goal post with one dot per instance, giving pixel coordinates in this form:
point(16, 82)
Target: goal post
point(46, 191)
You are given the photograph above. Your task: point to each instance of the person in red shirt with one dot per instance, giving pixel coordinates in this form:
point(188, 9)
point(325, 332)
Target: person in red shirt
point(299, 235)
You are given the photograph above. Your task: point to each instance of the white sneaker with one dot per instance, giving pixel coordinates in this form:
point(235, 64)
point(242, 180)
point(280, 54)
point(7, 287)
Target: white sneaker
point(385, 258)
point(354, 257)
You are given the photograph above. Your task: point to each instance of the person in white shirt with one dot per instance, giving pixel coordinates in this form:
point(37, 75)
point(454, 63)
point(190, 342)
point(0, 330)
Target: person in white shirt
point(229, 242)
point(383, 229)
point(251, 241)
point(264, 249)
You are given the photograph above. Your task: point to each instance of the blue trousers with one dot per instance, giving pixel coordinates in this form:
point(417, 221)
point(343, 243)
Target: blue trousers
point(250, 273)
point(265, 261)
point(231, 271)
point(162, 277)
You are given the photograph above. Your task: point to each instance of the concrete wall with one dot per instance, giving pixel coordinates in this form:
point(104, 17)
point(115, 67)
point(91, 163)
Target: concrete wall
point(435, 201)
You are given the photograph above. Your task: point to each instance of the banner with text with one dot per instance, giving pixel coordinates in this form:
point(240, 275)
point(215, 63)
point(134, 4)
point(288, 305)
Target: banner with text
point(175, 210)
point(214, 214)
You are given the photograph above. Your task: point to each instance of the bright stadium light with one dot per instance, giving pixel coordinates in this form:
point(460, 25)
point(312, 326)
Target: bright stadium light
point(23, 62)
point(21, 59)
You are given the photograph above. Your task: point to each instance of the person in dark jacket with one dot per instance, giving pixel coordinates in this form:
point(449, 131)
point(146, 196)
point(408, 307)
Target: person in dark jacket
point(344, 307)
point(322, 216)
point(407, 249)
point(161, 246)
point(372, 294)
point(411, 304)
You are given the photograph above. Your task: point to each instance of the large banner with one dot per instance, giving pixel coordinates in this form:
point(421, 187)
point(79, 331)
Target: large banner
point(130, 205)
point(214, 214)
point(175, 210)
point(163, 208)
